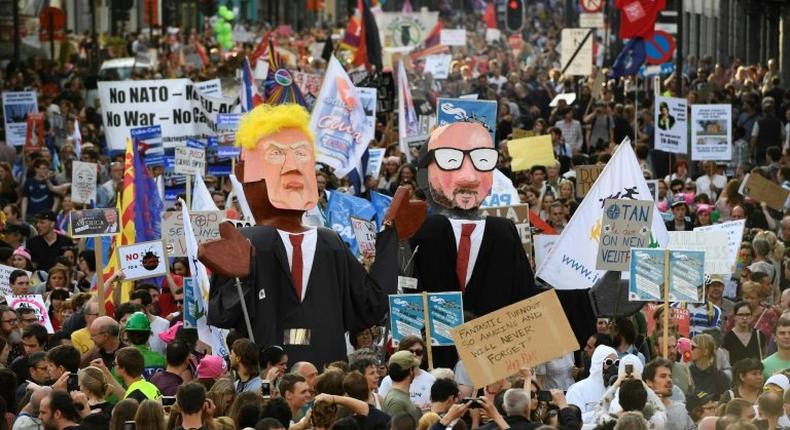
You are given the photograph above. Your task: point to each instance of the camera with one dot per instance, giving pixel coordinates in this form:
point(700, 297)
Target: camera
point(128, 425)
point(168, 400)
point(73, 383)
point(544, 396)
point(629, 369)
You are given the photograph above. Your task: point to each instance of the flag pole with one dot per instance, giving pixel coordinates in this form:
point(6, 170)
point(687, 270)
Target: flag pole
point(100, 273)
point(189, 192)
point(666, 304)
point(426, 317)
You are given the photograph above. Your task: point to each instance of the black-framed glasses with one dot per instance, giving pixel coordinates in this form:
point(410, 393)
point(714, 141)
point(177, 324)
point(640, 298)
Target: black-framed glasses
point(449, 159)
point(609, 362)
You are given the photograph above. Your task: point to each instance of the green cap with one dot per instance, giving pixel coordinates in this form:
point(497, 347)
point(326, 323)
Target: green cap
point(138, 322)
point(404, 359)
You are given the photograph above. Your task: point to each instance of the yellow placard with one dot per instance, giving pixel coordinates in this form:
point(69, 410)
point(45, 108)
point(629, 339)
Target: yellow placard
point(524, 334)
point(518, 133)
point(530, 151)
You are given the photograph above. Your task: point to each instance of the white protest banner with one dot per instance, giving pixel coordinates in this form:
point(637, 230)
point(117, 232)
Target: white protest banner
point(671, 125)
point(711, 132)
point(143, 260)
point(449, 37)
point(5, 279)
point(626, 225)
point(713, 243)
point(190, 161)
point(569, 98)
point(503, 193)
point(571, 263)
point(175, 104)
point(365, 232)
point(734, 231)
point(375, 158)
point(576, 55)
point(543, 244)
point(83, 182)
point(205, 226)
point(399, 29)
point(524, 334)
point(35, 302)
point(438, 65)
point(16, 106)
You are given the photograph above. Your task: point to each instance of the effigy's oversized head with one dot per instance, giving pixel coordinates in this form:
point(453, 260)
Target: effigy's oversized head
point(277, 147)
point(460, 159)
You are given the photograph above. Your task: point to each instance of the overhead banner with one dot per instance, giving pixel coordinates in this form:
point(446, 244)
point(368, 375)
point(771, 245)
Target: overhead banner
point(671, 126)
point(482, 112)
point(399, 29)
point(711, 132)
point(177, 105)
point(16, 106)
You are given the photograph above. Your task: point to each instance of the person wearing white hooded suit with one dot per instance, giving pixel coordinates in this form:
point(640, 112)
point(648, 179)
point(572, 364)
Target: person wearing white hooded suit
point(586, 393)
point(609, 406)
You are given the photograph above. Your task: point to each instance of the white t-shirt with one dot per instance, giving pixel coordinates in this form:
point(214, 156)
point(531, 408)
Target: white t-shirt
point(419, 391)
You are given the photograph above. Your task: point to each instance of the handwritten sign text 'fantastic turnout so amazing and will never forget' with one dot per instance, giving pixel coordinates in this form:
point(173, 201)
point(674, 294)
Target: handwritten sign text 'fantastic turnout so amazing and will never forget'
point(524, 334)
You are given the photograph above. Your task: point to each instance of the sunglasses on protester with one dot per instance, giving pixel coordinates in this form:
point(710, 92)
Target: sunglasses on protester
point(609, 362)
point(417, 352)
point(449, 159)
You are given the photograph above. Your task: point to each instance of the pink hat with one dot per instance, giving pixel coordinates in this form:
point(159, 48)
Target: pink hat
point(211, 367)
point(23, 252)
point(169, 335)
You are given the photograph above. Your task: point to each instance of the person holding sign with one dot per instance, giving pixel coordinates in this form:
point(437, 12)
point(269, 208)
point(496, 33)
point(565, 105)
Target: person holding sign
point(303, 288)
point(456, 249)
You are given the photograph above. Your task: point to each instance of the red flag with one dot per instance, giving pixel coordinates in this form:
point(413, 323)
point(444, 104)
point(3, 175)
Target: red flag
point(260, 50)
point(490, 16)
point(638, 17)
point(537, 222)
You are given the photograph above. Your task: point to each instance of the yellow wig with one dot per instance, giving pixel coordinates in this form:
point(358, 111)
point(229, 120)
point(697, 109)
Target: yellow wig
point(266, 120)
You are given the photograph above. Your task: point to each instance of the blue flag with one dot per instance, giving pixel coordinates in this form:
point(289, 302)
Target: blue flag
point(338, 210)
point(381, 203)
point(630, 59)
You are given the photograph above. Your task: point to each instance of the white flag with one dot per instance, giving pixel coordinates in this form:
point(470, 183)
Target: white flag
point(76, 137)
point(339, 122)
point(407, 118)
point(571, 263)
point(201, 197)
point(238, 190)
point(208, 334)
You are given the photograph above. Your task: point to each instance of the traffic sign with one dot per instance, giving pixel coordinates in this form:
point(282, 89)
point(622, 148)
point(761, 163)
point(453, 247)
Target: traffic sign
point(663, 69)
point(660, 48)
point(52, 18)
point(592, 6)
point(591, 20)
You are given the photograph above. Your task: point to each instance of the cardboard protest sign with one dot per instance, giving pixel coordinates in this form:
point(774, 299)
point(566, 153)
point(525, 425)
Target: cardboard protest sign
point(83, 182)
point(763, 190)
point(671, 127)
point(482, 112)
point(35, 302)
point(16, 107)
point(530, 151)
point(205, 226)
point(686, 275)
point(711, 132)
point(625, 225)
point(585, 178)
point(679, 316)
point(5, 279)
point(713, 243)
point(450, 37)
point(524, 334)
point(365, 232)
point(407, 316)
point(519, 214)
point(190, 161)
point(734, 231)
point(518, 133)
point(94, 222)
point(143, 260)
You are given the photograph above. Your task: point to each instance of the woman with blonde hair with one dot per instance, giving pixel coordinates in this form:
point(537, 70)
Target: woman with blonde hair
point(763, 317)
point(427, 420)
point(223, 394)
point(704, 371)
point(631, 421)
point(150, 416)
point(124, 411)
point(93, 383)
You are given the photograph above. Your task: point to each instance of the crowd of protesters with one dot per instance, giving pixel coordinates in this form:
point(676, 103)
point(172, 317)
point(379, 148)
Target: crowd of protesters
point(139, 364)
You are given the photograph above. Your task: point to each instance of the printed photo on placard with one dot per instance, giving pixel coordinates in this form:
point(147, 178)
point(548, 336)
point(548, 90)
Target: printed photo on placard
point(94, 222)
